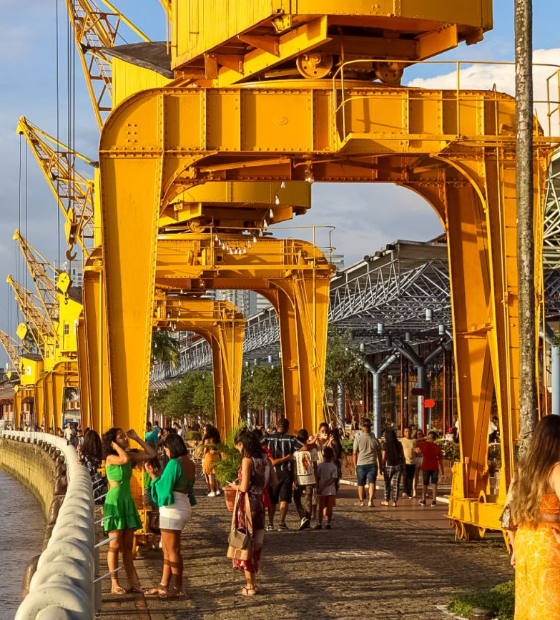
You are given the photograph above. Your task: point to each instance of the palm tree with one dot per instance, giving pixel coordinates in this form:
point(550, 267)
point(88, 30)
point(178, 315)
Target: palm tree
point(165, 349)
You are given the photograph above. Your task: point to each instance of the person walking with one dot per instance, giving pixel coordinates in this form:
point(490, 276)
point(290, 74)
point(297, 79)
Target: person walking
point(281, 447)
point(305, 479)
point(535, 528)
point(408, 445)
point(211, 457)
point(366, 455)
point(254, 475)
point(432, 462)
point(327, 474)
point(121, 518)
point(393, 462)
point(420, 441)
point(174, 494)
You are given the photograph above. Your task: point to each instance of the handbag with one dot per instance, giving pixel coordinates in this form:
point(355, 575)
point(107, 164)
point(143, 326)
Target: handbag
point(240, 541)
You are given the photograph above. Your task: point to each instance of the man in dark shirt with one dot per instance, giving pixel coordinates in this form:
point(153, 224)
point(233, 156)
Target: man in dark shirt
point(281, 447)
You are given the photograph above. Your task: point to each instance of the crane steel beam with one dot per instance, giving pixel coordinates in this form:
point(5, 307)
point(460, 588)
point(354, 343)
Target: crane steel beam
point(96, 27)
point(44, 276)
point(72, 191)
point(434, 142)
point(223, 327)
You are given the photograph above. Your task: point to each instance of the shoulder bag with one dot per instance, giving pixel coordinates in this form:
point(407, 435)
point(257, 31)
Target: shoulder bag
point(241, 541)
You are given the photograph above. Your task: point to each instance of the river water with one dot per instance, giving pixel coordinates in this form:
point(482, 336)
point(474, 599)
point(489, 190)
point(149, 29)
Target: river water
point(21, 538)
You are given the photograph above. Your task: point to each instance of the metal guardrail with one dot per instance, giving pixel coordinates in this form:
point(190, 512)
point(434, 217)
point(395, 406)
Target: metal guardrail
point(63, 585)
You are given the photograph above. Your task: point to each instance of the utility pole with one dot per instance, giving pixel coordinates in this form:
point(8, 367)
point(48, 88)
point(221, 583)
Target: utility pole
point(525, 241)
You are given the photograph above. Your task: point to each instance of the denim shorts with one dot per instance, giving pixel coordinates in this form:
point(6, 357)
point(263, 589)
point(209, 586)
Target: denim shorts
point(426, 475)
point(366, 472)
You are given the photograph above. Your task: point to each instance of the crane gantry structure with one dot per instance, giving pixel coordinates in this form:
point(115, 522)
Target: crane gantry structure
point(262, 100)
point(287, 95)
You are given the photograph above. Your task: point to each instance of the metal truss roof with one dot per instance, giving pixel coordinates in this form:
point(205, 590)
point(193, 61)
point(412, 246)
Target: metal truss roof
point(395, 286)
point(551, 252)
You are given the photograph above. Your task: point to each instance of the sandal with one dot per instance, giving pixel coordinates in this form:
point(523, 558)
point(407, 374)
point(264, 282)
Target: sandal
point(135, 589)
point(172, 593)
point(116, 589)
point(248, 591)
point(160, 589)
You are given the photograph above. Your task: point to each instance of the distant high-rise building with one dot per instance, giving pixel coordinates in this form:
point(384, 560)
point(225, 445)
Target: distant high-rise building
point(337, 260)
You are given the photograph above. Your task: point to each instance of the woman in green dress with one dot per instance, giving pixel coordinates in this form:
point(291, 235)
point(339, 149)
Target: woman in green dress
point(121, 518)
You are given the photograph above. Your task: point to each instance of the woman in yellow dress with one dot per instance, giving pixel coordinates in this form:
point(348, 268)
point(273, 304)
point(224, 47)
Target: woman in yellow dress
point(211, 457)
point(535, 511)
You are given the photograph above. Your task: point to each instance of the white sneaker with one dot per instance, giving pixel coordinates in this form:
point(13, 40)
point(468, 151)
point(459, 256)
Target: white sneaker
point(370, 503)
point(359, 503)
point(212, 494)
point(218, 492)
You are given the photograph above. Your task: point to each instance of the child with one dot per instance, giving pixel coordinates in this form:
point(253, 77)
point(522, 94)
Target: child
point(305, 461)
point(327, 475)
point(432, 461)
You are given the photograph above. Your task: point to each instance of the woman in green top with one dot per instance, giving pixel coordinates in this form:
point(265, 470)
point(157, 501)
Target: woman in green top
point(121, 517)
point(173, 492)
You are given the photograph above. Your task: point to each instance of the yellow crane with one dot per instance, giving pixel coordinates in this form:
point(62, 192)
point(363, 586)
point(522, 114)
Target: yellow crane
point(96, 27)
point(14, 350)
point(72, 190)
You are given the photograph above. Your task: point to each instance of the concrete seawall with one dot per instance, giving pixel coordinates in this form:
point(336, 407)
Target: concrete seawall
point(31, 466)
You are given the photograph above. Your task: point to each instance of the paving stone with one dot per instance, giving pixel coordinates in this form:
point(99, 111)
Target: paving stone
point(376, 563)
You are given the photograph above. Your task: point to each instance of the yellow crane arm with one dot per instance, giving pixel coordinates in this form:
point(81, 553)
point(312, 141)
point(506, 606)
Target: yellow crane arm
point(96, 28)
point(43, 326)
point(73, 191)
point(43, 273)
point(12, 348)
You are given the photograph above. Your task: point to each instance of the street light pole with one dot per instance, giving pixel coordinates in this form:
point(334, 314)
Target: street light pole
point(525, 241)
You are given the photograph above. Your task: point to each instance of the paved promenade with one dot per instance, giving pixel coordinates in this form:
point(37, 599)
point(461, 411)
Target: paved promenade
point(377, 562)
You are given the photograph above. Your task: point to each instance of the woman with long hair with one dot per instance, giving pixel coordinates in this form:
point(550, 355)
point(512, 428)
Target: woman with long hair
point(90, 454)
point(211, 457)
point(120, 513)
point(393, 461)
point(254, 475)
point(173, 492)
point(535, 513)
point(335, 442)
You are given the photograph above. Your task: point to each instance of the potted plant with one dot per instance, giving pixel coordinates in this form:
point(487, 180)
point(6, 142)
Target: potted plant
point(227, 468)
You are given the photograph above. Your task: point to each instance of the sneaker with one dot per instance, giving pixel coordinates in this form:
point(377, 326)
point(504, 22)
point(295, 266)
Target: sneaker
point(409, 496)
point(218, 492)
point(360, 503)
point(422, 502)
point(305, 523)
point(319, 526)
point(212, 494)
point(370, 503)
point(269, 528)
point(328, 526)
point(434, 503)
point(283, 527)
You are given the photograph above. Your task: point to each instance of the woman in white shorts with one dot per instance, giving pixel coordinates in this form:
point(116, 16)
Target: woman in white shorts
point(173, 492)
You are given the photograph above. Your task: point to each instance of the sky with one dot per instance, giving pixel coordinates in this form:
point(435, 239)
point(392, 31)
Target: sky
point(365, 217)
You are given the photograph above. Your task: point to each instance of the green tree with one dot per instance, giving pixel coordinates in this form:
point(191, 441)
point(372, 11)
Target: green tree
point(165, 349)
point(344, 370)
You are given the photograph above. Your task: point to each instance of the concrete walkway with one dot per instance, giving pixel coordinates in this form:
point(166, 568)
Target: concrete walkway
point(377, 562)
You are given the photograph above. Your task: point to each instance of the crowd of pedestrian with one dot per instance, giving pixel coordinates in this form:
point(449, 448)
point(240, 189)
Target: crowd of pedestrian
point(277, 468)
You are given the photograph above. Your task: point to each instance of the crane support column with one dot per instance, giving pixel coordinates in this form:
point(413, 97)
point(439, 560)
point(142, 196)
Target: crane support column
point(457, 150)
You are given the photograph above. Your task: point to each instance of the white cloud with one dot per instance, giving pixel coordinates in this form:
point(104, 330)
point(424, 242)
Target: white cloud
point(502, 77)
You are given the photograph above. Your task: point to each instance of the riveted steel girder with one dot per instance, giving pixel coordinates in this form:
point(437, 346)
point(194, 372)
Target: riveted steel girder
point(222, 325)
point(455, 149)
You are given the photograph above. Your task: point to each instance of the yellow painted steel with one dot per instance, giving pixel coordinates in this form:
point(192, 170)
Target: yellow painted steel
point(72, 191)
point(456, 151)
point(39, 403)
point(96, 356)
point(224, 42)
point(223, 326)
point(86, 420)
